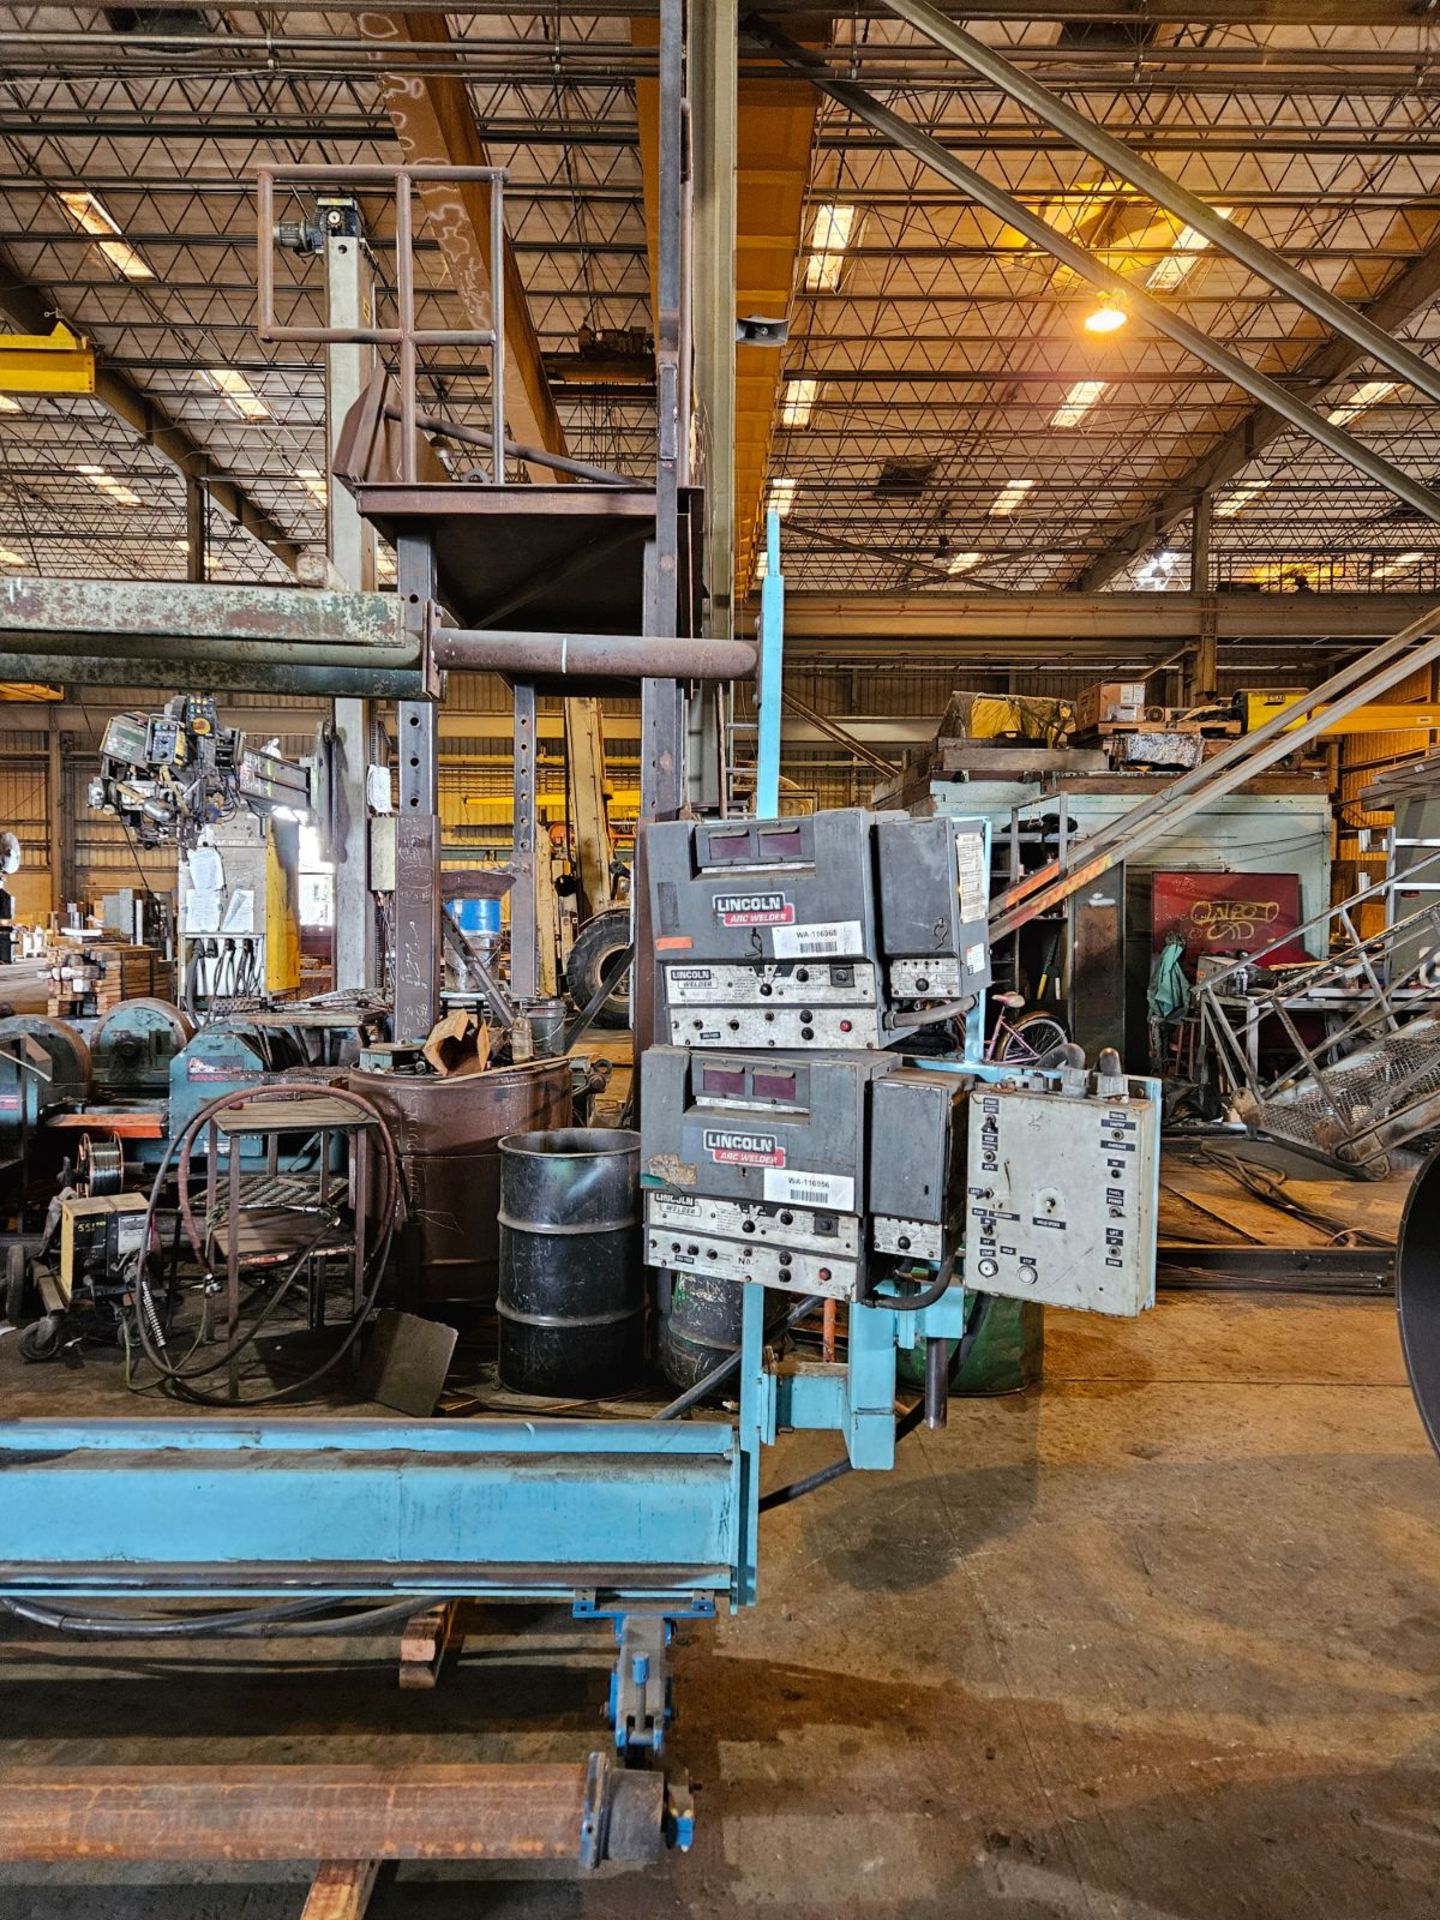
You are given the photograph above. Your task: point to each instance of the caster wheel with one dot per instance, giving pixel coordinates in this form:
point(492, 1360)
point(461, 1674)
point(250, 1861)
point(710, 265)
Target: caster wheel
point(42, 1340)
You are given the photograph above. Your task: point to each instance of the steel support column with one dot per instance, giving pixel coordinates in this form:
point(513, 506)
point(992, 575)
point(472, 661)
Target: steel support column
point(1099, 273)
point(524, 931)
point(417, 829)
point(662, 702)
point(349, 296)
point(714, 158)
point(1204, 664)
point(54, 807)
point(196, 529)
point(713, 106)
point(1167, 192)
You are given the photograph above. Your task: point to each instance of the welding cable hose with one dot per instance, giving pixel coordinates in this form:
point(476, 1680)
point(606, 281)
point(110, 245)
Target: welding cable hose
point(906, 1424)
point(182, 1144)
point(293, 1619)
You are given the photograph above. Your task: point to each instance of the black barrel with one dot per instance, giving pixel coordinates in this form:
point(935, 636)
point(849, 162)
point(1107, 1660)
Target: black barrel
point(572, 1279)
point(701, 1321)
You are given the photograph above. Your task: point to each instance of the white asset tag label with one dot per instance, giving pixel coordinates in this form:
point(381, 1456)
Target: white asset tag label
point(835, 1190)
point(818, 941)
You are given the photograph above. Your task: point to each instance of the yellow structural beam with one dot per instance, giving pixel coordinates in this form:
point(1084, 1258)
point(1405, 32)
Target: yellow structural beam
point(56, 362)
point(1393, 717)
point(776, 131)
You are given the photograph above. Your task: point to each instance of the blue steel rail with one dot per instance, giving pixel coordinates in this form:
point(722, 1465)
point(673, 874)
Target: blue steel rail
point(513, 1508)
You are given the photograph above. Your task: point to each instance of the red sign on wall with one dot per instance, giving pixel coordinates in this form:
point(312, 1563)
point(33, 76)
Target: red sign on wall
point(1225, 913)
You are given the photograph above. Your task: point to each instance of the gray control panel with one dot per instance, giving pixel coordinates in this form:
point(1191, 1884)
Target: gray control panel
point(1061, 1197)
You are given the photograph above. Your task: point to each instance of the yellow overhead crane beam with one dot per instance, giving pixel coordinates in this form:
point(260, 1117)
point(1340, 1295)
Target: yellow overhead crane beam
point(1381, 717)
point(56, 362)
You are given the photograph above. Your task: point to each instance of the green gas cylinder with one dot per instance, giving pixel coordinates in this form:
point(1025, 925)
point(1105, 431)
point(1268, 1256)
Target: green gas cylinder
point(1008, 1355)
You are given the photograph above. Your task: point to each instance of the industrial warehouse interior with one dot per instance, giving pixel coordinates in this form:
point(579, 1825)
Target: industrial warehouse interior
point(720, 961)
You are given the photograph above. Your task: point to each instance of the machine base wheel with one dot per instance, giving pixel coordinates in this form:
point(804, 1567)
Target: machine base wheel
point(17, 1275)
point(42, 1340)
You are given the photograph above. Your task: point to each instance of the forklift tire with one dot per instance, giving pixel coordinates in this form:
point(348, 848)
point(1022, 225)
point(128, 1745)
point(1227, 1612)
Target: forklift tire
point(17, 1274)
point(42, 1340)
point(592, 957)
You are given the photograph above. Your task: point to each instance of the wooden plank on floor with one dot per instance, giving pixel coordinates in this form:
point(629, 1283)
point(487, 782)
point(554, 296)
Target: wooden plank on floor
point(341, 1890)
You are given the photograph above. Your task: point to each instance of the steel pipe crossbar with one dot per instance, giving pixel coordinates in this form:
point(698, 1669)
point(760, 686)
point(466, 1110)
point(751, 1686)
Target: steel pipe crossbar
point(1167, 192)
point(1099, 273)
point(591, 656)
point(1240, 760)
point(581, 1811)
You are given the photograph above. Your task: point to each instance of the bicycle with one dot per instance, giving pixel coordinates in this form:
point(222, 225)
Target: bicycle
point(1029, 1042)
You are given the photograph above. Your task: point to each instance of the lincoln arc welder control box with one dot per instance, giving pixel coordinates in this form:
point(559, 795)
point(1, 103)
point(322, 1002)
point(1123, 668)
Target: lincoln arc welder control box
point(838, 930)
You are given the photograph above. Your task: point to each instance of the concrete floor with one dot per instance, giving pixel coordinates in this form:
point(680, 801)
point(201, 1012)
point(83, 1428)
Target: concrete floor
point(1160, 1642)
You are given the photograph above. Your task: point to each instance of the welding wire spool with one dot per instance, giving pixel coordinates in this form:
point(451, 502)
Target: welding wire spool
point(100, 1168)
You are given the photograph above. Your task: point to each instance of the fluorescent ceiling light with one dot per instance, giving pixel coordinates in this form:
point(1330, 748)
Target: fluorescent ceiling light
point(762, 564)
point(9, 558)
point(236, 391)
point(1157, 569)
point(1077, 403)
point(314, 482)
point(798, 402)
point(7, 405)
point(1010, 496)
point(108, 484)
point(830, 234)
point(782, 495)
point(963, 562)
point(88, 214)
point(1242, 496)
point(1185, 251)
point(1402, 563)
point(1361, 400)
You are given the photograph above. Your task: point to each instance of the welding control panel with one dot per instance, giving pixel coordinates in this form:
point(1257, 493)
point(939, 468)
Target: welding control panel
point(839, 930)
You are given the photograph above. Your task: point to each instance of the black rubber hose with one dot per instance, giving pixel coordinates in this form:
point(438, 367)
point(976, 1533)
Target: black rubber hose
point(916, 1302)
point(708, 1382)
point(181, 1379)
point(288, 1620)
point(906, 1424)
